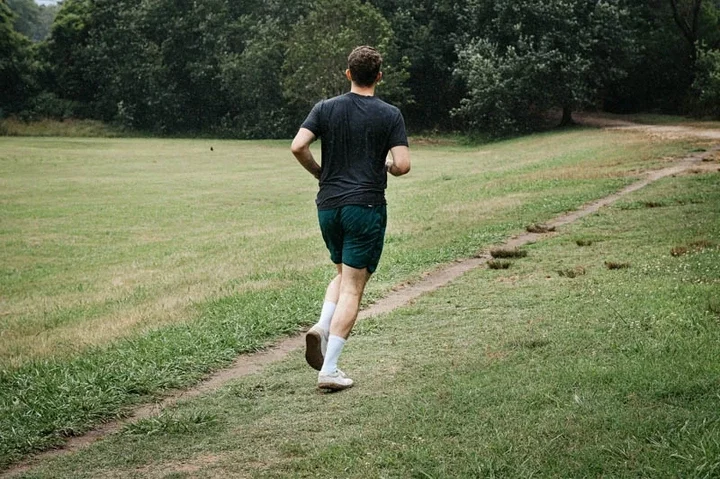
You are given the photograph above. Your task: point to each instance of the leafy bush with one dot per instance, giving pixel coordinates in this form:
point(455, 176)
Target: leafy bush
point(707, 83)
point(48, 105)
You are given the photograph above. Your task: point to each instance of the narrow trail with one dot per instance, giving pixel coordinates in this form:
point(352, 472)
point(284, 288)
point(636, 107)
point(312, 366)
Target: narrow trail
point(402, 295)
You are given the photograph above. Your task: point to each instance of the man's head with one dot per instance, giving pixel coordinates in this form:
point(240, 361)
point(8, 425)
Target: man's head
point(364, 64)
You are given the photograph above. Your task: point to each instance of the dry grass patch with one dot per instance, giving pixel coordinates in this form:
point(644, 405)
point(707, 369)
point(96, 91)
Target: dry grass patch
point(693, 247)
point(701, 245)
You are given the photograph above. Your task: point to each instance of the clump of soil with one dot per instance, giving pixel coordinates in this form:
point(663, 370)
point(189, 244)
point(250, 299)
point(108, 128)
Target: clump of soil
point(583, 242)
point(572, 272)
point(616, 265)
point(678, 251)
point(652, 204)
point(508, 253)
point(499, 264)
point(539, 228)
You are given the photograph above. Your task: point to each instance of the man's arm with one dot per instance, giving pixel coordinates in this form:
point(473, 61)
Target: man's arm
point(400, 160)
point(301, 149)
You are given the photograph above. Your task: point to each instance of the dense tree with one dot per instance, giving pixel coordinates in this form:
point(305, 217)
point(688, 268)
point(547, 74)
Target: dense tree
point(660, 78)
point(534, 55)
point(158, 62)
point(45, 21)
point(318, 47)
point(251, 69)
point(252, 84)
point(16, 79)
point(27, 16)
point(706, 87)
point(33, 20)
point(426, 32)
point(71, 77)
point(687, 17)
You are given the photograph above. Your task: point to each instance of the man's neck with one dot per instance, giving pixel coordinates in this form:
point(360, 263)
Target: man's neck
point(362, 90)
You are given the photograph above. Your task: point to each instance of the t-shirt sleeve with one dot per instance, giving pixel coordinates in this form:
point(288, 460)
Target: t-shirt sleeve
point(398, 136)
point(312, 122)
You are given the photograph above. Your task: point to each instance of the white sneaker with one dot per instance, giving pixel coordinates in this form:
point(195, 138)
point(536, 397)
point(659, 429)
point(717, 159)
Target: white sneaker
point(336, 381)
point(315, 346)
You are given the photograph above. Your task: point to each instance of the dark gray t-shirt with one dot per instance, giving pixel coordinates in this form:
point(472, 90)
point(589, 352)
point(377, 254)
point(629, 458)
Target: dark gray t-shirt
point(356, 133)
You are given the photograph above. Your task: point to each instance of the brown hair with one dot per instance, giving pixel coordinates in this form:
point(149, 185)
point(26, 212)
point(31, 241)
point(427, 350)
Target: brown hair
point(364, 63)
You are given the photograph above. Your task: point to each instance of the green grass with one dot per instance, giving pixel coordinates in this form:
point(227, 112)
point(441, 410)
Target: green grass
point(132, 266)
point(504, 373)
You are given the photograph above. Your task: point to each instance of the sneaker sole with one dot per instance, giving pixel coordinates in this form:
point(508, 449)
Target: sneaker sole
point(334, 386)
point(313, 351)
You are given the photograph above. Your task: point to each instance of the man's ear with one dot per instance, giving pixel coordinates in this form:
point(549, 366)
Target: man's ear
point(348, 75)
point(379, 78)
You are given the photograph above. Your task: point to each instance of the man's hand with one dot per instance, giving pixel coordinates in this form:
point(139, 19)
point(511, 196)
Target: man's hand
point(301, 149)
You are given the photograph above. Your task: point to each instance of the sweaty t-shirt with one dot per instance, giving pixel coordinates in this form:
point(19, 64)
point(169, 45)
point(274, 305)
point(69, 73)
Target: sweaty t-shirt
point(356, 133)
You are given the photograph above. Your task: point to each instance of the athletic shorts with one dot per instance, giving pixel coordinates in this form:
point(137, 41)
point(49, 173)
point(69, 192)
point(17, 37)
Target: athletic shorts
point(354, 234)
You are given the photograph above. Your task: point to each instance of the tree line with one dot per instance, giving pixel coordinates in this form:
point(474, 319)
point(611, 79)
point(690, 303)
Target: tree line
point(252, 69)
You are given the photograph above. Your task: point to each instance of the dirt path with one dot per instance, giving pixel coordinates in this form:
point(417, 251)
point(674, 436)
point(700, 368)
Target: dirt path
point(405, 293)
point(666, 132)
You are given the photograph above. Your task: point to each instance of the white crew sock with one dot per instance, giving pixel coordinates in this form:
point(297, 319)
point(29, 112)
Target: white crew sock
point(326, 315)
point(334, 348)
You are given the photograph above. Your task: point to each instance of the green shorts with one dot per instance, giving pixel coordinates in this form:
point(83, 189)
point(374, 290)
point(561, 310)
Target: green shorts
point(354, 234)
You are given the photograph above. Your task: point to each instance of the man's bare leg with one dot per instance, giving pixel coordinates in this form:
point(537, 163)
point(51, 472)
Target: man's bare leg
point(316, 338)
point(352, 286)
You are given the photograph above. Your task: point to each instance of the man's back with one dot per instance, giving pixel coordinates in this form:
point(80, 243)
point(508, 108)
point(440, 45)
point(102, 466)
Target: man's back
point(356, 132)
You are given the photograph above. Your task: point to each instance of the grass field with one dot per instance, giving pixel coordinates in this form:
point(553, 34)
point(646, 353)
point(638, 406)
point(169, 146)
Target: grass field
point(524, 372)
point(133, 266)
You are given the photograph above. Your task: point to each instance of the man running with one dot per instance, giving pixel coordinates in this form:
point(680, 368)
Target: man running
point(357, 130)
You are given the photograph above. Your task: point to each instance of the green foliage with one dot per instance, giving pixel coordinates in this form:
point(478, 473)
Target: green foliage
point(426, 33)
point(70, 75)
point(27, 16)
point(707, 83)
point(251, 82)
point(318, 47)
point(535, 55)
point(33, 20)
point(252, 69)
point(16, 64)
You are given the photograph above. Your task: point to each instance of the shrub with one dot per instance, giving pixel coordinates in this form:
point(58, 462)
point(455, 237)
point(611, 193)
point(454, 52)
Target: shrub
point(707, 83)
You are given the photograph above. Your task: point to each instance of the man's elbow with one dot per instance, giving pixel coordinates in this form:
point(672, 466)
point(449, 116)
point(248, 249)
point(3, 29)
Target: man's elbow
point(297, 147)
point(401, 165)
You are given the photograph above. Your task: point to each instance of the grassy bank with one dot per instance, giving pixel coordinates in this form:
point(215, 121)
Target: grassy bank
point(133, 266)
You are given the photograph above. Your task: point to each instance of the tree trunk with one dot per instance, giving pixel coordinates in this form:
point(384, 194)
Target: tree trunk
point(567, 116)
point(688, 22)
